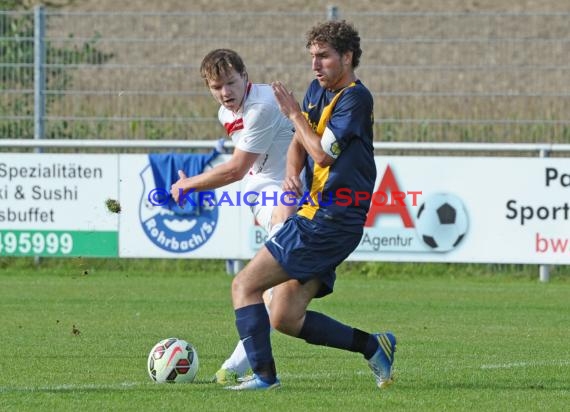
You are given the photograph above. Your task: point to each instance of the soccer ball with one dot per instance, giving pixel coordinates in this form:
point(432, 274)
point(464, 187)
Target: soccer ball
point(173, 360)
point(442, 222)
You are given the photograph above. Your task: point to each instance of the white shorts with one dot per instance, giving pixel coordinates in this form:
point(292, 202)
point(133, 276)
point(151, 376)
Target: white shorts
point(270, 195)
point(265, 203)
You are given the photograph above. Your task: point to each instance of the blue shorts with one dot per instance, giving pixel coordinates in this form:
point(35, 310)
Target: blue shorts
point(307, 250)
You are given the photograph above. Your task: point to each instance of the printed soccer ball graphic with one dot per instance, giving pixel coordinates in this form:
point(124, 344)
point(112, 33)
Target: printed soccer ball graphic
point(442, 222)
point(173, 360)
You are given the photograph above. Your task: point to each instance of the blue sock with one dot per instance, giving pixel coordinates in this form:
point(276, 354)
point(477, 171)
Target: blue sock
point(252, 323)
point(319, 329)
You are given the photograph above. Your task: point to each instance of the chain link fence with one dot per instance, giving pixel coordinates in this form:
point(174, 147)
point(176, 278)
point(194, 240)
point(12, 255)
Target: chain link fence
point(436, 77)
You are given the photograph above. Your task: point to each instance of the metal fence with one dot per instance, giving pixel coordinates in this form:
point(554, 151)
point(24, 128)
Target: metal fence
point(436, 77)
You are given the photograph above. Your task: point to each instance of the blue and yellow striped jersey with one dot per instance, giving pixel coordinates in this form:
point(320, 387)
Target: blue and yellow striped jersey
point(337, 192)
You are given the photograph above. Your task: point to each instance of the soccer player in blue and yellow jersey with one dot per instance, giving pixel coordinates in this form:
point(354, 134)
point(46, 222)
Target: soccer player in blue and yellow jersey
point(333, 142)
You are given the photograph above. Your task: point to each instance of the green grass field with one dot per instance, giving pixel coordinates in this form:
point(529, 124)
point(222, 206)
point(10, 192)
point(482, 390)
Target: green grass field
point(76, 336)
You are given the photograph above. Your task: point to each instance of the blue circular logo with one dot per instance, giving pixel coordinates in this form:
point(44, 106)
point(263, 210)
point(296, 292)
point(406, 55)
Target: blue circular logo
point(177, 230)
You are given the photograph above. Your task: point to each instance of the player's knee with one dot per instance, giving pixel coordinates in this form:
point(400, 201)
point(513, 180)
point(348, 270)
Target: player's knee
point(245, 291)
point(237, 289)
point(240, 289)
point(277, 321)
point(283, 322)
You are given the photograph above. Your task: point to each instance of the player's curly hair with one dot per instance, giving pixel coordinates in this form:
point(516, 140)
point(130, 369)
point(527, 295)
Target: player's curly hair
point(221, 62)
point(342, 36)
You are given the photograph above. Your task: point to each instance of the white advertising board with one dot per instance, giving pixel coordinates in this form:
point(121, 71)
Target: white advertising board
point(54, 204)
point(502, 210)
point(424, 209)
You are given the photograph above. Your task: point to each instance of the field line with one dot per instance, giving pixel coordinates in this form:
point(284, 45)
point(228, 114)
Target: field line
point(69, 387)
point(526, 364)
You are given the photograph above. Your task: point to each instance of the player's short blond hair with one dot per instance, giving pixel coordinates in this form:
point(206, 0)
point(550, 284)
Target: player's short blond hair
point(221, 62)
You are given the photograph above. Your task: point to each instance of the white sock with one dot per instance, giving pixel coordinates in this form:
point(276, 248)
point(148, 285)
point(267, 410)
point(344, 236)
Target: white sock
point(238, 360)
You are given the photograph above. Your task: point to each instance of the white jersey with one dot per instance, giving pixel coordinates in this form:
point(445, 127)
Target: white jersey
point(260, 127)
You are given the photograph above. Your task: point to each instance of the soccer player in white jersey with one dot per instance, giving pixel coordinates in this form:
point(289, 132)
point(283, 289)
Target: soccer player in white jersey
point(261, 135)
